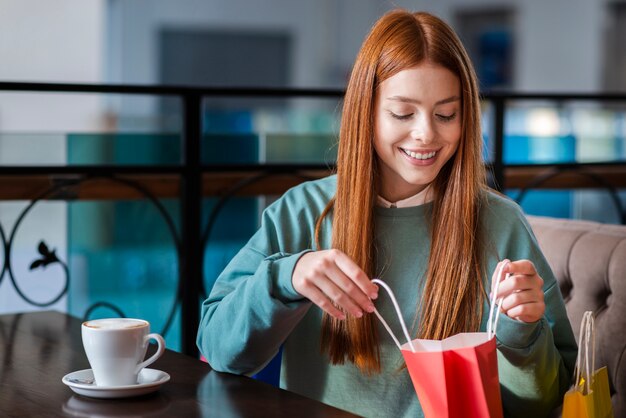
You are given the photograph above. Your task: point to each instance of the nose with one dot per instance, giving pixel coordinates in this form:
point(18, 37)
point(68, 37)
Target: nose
point(423, 131)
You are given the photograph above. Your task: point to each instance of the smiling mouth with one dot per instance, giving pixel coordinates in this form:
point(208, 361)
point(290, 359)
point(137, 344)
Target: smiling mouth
point(419, 155)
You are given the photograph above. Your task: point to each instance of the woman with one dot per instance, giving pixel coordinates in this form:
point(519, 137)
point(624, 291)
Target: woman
point(409, 205)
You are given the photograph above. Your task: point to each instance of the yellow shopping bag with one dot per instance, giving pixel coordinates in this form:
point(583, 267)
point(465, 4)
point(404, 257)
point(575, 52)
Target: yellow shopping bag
point(590, 396)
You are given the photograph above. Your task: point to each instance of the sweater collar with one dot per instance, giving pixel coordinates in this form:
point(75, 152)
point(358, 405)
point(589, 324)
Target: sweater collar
point(422, 197)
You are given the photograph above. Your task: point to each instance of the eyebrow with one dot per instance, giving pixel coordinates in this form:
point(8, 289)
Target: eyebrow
point(404, 99)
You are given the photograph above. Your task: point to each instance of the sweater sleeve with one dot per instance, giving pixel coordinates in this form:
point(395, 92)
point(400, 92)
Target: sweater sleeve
point(535, 360)
point(253, 306)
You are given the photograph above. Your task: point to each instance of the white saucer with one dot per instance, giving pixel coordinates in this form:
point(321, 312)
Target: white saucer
point(81, 382)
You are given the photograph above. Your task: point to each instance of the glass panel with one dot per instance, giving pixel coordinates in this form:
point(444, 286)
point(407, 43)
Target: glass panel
point(32, 149)
point(300, 148)
point(537, 133)
point(122, 254)
point(85, 148)
point(241, 131)
point(565, 133)
point(230, 148)
point(600, 133)
point(58, 129)
point(123, 149)
point(555, 203)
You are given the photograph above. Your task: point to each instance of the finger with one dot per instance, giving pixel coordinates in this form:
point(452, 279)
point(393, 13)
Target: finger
point(350, 288)
point(333, 292)
point(519, 298)
point(519, 283)
point(318, 298)
point(527, 312)
point(354, 272)
point(521, 267)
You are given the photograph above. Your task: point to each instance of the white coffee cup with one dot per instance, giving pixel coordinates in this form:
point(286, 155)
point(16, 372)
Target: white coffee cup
point(116, 347)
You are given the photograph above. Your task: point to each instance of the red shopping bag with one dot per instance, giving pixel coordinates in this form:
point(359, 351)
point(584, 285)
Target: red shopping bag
point(457, 376)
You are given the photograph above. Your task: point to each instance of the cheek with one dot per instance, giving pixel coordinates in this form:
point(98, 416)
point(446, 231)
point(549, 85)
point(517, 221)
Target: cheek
point(388, 133)
point(453, 136)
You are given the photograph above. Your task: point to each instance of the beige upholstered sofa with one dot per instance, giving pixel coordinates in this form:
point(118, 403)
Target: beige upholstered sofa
point(589, 261)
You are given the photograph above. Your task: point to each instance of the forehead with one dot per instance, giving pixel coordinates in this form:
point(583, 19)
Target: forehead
point(424, 82)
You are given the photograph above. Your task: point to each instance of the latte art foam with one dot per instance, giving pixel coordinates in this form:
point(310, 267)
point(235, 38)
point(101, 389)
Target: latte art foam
point(115, 323)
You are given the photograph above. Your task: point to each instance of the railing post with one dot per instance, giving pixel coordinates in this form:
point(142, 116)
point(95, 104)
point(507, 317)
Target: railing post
point(190, 269)
point(498, 144)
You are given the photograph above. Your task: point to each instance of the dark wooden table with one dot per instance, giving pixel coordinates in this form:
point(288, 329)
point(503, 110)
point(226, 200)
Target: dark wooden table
point(37, 349)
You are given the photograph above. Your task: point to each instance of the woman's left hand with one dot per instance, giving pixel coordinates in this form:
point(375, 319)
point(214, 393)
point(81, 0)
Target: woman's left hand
point(522, 291)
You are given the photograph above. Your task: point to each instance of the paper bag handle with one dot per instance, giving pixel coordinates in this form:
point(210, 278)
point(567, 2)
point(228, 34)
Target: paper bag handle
point(395, 305)
point(585, 337)
point(491, 324)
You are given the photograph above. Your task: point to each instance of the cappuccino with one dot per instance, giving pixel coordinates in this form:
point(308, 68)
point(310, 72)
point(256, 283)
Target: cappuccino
point(116, 348)
point(115, 323)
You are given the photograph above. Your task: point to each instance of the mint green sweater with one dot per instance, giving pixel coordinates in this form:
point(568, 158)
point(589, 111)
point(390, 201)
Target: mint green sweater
point(253, 309)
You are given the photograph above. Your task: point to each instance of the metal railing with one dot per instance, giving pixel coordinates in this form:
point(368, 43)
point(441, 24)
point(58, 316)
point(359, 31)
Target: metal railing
point(190, 171)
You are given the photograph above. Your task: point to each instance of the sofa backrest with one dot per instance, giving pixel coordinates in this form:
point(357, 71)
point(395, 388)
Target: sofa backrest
point(589, 262)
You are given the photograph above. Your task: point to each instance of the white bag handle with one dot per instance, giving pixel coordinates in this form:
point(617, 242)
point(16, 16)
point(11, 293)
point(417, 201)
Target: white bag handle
point(395, 305)
point(493, 313)
point(587, 334)
point(491, 324)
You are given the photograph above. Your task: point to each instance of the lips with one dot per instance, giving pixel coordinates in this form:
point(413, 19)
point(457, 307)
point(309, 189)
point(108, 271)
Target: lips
point(419, 155)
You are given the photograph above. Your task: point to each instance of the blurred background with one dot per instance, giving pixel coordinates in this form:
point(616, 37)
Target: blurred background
point(117, 251)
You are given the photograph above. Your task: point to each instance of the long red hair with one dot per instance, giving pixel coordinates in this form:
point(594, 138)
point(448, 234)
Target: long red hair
point(453, 294)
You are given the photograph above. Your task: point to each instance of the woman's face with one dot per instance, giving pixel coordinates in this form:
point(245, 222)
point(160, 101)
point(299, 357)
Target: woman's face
point(417, 128)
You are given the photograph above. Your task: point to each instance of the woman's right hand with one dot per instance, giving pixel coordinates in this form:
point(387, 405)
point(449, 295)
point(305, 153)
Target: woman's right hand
point(332, 281)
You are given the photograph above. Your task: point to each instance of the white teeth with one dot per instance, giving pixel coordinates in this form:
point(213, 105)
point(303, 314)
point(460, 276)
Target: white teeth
point(419, 156)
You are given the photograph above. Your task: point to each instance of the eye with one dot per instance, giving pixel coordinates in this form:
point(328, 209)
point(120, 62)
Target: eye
point(446, 118)
point(401, 117)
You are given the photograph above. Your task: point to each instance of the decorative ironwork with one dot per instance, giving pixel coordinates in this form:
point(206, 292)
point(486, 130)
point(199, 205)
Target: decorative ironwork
point(49, 257)
point(107, 305)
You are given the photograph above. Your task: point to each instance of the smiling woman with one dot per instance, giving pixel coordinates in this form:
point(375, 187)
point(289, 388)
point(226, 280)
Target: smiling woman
point(409, 205)
point(417, 128)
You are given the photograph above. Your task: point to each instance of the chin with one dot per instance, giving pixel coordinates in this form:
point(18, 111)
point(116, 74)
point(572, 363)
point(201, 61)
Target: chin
point(421, 182)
